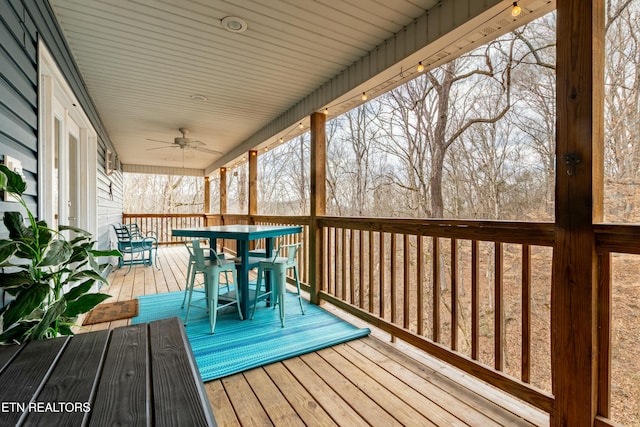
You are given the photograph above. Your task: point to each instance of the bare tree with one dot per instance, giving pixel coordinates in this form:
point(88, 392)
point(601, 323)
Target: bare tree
point(163, 194)
point(429, 114)
point(622, 111)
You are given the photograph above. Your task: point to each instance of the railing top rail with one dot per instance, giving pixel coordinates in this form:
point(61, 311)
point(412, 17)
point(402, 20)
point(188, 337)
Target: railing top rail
point(623, 238)
point(532, 233)
point(163, 215)
point(296, 219)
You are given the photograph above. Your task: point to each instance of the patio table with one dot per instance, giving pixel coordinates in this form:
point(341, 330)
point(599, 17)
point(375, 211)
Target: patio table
point(243, 234)
point(142, 374)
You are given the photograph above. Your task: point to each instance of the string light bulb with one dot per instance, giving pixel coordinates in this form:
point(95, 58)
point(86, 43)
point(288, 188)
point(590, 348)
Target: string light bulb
point(301, 126)
point(420, 67)
point(326, 111)
point(281, 140)
point(364, 96)
point(517, 10)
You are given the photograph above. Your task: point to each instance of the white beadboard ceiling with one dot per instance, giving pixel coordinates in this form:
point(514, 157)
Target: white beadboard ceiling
point(144, 61)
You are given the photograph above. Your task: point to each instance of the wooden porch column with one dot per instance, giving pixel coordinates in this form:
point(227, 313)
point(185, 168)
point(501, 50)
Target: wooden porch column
point(253, 184)
point(223, 193)
point(579, 203)
point(318, 202)
point(207, 194)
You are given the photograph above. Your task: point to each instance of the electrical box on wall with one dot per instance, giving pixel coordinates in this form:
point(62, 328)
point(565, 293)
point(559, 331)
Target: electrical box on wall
point(14, 165)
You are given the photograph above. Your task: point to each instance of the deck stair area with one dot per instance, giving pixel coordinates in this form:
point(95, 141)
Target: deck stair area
point(369, 381)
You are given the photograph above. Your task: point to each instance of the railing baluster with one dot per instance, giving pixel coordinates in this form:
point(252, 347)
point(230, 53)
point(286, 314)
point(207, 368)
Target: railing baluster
point(407, 281)
point(360, 269)
point(475, 299)
point(325, 260)
point(344, 264)
point(420, 283)
point(454, 294)
point(382, 276)
point(352, 273)
point(332, 264)
point(436, 288)
point(604, 337)
point(499, 338)
point(526, 314)
point(393, 280)
point(371, 270)
point(339, 290)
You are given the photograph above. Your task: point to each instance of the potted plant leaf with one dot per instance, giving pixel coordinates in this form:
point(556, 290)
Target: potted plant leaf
point(49, 277)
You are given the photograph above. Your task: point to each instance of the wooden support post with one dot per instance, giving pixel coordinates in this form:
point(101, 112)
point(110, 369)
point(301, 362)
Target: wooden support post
point(579, 201)
point(253, 184)
point(207, 194)
point(318, 202)
point(223, 193)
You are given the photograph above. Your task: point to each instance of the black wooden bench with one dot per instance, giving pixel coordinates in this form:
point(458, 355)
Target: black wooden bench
point(133, 375)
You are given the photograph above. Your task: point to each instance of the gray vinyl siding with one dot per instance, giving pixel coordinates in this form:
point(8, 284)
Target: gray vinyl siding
point(22, 23)
point(18, 100)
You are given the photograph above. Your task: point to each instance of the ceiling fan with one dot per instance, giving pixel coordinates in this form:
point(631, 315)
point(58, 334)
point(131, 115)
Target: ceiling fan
point(183, 142)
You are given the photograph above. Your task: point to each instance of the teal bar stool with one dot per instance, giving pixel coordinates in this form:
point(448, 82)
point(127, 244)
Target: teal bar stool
point(191, 285)
point(212, 268)
point(278, 266)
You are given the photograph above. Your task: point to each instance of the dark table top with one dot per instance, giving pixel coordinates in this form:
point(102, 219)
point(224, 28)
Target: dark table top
point(238, 231)
point(133, 375)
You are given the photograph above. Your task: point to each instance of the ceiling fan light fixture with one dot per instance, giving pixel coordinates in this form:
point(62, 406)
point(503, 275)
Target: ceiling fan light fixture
point(234, 24)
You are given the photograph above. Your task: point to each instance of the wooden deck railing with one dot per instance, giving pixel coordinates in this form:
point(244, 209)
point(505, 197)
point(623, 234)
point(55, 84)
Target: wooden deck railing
point(475, 294)
point(460, 290)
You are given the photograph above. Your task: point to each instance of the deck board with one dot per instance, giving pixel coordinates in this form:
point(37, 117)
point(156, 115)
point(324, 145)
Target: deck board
point(369, 384)
point(364, 382)
point(220, 404)
point(332, 402)
point(297, 396)
point(246, 405)
point(281, 413)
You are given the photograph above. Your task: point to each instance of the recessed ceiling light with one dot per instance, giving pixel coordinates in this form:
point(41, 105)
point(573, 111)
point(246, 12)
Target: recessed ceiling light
point(199, 97)
point(234, 24)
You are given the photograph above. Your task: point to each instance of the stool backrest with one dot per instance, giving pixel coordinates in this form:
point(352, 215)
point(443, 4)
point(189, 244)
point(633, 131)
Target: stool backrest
point(197, 252)
point(291, 251)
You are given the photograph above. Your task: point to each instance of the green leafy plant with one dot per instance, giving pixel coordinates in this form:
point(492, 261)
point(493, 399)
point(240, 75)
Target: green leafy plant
point(49, 277)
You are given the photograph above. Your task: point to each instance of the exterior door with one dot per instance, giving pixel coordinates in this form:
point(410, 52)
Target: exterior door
point(67, 154)
point(65, 173)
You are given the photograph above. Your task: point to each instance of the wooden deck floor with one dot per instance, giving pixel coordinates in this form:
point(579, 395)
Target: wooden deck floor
point(369, 381)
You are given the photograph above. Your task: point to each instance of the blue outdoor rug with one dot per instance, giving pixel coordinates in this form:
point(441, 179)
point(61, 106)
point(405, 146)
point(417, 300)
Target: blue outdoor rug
point(240, 345)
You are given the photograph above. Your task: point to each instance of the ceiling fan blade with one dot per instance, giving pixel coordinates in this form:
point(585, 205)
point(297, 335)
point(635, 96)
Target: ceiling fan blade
point(207, 150)
point(161, 148)
point(157, 140)
point(196, 143)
